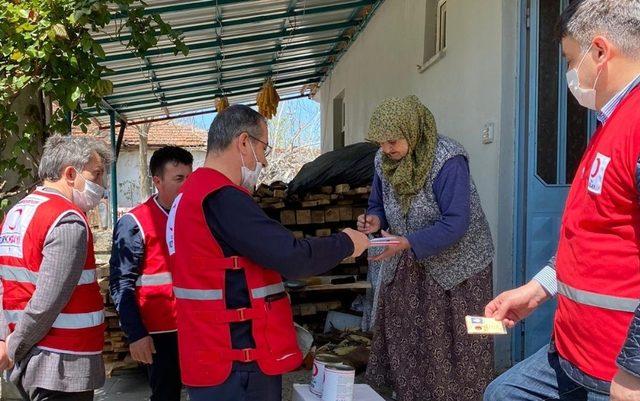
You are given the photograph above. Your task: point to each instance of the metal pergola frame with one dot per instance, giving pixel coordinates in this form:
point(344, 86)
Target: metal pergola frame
point(234, 46)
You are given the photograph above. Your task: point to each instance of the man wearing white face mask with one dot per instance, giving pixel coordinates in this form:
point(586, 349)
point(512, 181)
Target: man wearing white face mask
point(235, 331)
point(595, 275)
point(52, 321)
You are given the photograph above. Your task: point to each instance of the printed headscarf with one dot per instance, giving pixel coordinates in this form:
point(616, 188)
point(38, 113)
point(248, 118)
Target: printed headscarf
point(407, 118)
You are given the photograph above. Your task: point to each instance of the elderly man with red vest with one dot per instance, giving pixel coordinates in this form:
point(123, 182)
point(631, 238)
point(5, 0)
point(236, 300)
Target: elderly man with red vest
point(140, 281)
point(52, 321)
point(235, 328)
point(595, 274)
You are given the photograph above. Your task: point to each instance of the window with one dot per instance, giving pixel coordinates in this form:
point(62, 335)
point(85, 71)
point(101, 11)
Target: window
point(339, 121)
point(435, 33)
point(442, 26)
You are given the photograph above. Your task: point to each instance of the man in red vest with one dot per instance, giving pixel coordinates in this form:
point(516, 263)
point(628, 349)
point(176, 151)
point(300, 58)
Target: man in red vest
point(140, 280)
point(595, 275)
point(52, 320)
point(235, 328)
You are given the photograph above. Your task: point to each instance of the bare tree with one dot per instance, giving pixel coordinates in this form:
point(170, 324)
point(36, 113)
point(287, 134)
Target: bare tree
point(295, 136)
point(294, 133)
point(143, 150)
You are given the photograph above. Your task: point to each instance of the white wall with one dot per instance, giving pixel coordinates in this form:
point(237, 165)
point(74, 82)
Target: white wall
point(129, 177)
point(473, 84)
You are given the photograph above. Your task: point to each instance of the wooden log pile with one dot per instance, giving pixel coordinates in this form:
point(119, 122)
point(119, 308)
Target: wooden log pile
point(326, 211)
point(116, 349)
point(322, 212)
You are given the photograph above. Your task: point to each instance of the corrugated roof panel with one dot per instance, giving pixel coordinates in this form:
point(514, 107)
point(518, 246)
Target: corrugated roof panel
point(234, 46)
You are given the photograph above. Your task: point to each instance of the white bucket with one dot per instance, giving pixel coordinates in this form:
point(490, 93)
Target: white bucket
point(338, 383)
point(317, 374)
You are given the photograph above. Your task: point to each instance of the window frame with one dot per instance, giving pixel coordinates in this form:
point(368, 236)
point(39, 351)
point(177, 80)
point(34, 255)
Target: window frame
point(440, 37)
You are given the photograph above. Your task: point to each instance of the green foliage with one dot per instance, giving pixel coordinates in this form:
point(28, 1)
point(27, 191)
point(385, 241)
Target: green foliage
point(49, 44)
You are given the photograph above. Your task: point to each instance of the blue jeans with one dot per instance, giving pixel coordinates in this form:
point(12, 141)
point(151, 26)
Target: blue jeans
point(539, 378)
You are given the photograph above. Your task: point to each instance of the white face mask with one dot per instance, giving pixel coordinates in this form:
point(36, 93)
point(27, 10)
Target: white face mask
point(250, 177)
point(585, 97)
point(90, 196)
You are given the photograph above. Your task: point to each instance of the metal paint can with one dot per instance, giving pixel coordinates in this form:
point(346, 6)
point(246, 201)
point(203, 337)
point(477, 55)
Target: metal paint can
point(338, 382)
point(317, 375)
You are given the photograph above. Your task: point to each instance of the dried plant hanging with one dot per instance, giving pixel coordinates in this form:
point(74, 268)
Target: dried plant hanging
point(268, 100)
point(221, 103)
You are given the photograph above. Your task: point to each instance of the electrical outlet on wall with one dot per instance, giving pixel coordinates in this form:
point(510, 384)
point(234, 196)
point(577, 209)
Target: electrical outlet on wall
point(488, 133)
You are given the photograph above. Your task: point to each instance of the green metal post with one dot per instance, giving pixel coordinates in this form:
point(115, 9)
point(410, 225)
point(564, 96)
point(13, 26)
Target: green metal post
point(114, 181)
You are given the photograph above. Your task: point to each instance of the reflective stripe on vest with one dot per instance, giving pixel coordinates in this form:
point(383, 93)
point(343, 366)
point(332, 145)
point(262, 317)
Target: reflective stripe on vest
point(263, 292)
point(198, 295)
point(599, 300)
point(64, 320)
point(216, 295)
point(87, 277)
point(154, 279)
point(22, 275)
point(19, 274)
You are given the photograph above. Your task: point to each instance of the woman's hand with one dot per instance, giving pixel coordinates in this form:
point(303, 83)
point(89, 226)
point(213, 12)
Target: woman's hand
point(371, 225)
point(392, 250)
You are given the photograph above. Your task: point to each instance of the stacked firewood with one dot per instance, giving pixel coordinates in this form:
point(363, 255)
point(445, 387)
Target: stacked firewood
point(320, 213)
point(116, 349)
point(314, 214)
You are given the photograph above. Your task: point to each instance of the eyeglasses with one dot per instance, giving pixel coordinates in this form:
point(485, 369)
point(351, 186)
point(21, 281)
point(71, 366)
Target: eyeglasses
point(267, 148)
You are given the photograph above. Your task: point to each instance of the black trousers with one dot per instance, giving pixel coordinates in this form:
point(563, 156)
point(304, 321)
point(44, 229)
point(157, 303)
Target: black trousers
point(164, 373)
point(42, 394)
point(241, 385)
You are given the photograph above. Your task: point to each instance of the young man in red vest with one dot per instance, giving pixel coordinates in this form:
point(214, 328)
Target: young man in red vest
point(235, 328)
point(595, 275)
point(52, 320)
point(140, 279)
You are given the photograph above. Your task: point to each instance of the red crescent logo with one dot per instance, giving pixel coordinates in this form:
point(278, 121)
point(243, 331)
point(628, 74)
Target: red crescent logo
point(14, 219)
point(594, 172)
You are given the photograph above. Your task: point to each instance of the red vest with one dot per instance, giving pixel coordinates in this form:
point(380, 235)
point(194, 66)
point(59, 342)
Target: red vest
point(598, 260)
point(79, 328)
point(198, 269)
point(153, 287)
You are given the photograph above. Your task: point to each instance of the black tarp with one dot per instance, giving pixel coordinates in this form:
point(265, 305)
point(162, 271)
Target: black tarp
point(351, 165)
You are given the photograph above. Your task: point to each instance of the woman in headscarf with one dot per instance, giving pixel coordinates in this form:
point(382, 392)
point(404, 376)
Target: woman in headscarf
point(441, 271)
